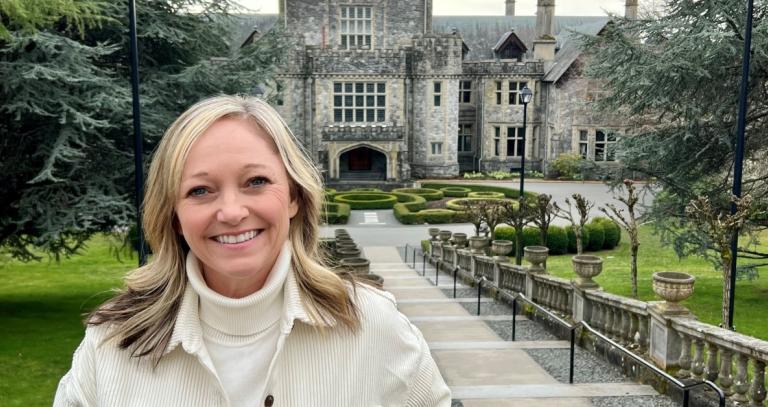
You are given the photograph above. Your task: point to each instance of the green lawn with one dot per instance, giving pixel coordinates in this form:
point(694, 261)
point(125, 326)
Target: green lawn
point(41, 304)
point(705, 303)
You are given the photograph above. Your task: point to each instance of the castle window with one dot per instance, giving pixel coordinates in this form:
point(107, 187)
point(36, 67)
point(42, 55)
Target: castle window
point(584, 144)
point(465, 137)
point(498, 92)
point(437, 92)
point(496, 141)
point(359, 102)
point(605, 146)
point(514, 92)
point(355, 27)
point(465, 92)
point(595, 90)
point(437, 148)
point(514, 141)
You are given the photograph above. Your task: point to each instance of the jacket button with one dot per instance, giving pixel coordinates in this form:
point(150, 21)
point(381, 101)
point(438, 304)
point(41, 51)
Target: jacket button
point(269, 401)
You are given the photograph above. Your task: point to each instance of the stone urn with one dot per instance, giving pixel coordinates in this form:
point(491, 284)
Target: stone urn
point(347, 253)
point(346, 245)
point(586, 266)
point(338, 232)
point(460, 240)
point(536, 255)
point(372, 279)
point(477, 244)
point(433, 232)
point(673, 287)
point(445, 236)
point(501, 249)
point(356, 265)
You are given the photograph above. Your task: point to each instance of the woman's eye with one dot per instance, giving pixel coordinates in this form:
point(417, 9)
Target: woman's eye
point(257, 181)
point(197, 191)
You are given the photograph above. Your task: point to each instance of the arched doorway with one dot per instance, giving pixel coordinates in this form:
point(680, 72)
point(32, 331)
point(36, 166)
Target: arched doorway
point(363, 163)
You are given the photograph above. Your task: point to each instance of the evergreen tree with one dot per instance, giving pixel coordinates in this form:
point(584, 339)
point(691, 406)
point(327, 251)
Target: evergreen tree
point(66, 148)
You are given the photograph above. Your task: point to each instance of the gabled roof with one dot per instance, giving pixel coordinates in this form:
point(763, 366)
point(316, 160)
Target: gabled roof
point(570, 49)
point(509, 38)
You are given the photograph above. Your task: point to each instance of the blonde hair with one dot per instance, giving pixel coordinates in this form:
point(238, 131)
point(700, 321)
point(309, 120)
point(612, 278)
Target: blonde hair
point(144, 313)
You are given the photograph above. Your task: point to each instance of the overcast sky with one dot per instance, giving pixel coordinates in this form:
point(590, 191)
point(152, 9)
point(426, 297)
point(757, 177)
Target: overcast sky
point(494, 7)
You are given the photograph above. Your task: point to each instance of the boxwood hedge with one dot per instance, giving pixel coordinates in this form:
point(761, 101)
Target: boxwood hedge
point(459, 204)
point(335, 213)
point(428, 193)
point(508, 192)
point(596, 237)
point(486, 194)
point(455, 192)
point(612, 232)
point(366, 200)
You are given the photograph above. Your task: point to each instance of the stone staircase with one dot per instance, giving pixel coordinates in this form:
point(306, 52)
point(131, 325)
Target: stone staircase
point(481, 368)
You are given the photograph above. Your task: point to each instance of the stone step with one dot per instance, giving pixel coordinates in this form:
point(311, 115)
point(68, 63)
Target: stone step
point(488, 345)
point(452, 318)
point(445, 300)
point(550, 390)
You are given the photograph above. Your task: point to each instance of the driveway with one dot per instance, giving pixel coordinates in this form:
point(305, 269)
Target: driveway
point(380, 228)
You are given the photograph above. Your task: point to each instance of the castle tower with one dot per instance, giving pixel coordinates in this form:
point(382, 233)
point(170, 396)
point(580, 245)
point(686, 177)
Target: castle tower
point(510, 11)
point(630, 9)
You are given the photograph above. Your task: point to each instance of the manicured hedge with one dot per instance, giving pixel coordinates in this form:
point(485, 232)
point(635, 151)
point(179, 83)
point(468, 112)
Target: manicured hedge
point(455, 192)
point(366, 200)
point(486, 194)
point(563, 240)
point(612, 232)
point(557, 240)
point(365, 190)
point(435, 216)
point(596, 237)
point(407, 209)
point(572, 239)
point(335, 213)
point(428, 193)
point(508, 192)
point(458, 203)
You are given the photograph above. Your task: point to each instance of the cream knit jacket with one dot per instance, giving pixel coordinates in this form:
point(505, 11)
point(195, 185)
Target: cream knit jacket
point(386, 363)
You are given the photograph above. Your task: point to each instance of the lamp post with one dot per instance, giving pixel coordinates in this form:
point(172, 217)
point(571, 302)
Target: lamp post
point(526, 94)
point(137, 140)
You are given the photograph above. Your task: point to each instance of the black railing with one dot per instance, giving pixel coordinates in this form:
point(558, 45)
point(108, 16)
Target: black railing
point(686, 388)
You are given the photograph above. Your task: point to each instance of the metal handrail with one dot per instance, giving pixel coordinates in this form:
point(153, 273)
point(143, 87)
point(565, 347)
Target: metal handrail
point(405, 254)
point(686, 388)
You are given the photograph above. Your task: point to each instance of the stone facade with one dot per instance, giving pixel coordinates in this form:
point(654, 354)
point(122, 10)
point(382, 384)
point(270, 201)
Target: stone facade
point(375, 93)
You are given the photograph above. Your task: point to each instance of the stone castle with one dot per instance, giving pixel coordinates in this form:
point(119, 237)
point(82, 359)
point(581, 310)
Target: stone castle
point(383, 91)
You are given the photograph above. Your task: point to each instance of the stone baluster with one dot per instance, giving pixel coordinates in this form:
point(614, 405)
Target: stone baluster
point(616, 328)
point(643, 332)
point(607, 320)
point(741, 383)
point(697, 368)
point(724, 378)
point(626, 330)
point(712, 367)
point(685, 356)
point(600, 321)
point(564, 300)
point(757, 391)
point(634, 323)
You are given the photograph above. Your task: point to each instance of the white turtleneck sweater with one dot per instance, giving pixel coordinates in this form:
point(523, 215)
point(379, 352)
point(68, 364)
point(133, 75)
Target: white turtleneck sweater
point(241, 334)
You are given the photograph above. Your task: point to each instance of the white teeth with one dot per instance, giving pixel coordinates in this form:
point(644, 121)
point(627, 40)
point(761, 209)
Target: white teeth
point(232, 239)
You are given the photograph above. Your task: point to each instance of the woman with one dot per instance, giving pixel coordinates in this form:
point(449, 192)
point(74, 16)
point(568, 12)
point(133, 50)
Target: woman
point(234, 307)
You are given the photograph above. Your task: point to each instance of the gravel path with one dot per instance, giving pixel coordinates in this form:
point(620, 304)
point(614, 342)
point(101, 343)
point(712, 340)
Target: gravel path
point(634, 401)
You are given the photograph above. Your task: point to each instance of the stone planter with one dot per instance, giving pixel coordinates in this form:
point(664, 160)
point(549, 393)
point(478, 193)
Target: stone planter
point(445, 236)
point(673, 287)
point(433, 232)
point(478, 244)
point(345, 245)
point(460, 240)
point(501, 249)
point(338, 232)
point(372, 279)
point(356, 265)
point(536, 255)
point(347, 253)
point(586, 266)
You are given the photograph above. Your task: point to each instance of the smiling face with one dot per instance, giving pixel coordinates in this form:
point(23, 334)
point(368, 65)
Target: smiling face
point(234, 205)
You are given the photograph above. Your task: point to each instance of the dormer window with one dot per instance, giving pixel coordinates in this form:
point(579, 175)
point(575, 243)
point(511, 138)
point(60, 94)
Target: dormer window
point(356, 27)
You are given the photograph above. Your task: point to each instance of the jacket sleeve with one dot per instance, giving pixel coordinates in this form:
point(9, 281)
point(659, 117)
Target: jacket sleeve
point(78, 387)
point(427, 387)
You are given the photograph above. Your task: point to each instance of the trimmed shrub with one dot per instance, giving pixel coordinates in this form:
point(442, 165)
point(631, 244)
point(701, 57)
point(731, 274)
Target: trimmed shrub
point(486, 194)
point(365, 190)
point(456, 192)
point(508, 192)
point(335, 213)
point(505, 233)
point(435, 216)
point(426, 247)
point(458, 204)
point(531, 236)
point(572, 238)
point(596, 236)
point(612, 232)
point(369, 200)
point(406, 211)
point(557, 240)
point(427, 193)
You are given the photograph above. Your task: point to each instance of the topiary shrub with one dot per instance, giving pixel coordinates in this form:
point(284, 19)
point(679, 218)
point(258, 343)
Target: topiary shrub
point(435, 216)
point(364, 190)
point(508, 192)
point(612, 232)
point(427, 193)
point(486, 194)
point(406, 216)
point(572, 239)
point(557, 240)
point(596, 236)
point(505, 233)
point(457, 192)
point(335, 213)
point(531, 236)
point(459, 204)
point(366, 200)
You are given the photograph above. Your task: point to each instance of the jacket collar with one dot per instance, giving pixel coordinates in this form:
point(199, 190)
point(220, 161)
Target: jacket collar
point(188, 333)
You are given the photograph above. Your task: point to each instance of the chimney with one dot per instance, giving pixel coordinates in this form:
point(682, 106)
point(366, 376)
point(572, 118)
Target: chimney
point(511, 8)
point(545, 19)
point(545, 43)
point(630, 10)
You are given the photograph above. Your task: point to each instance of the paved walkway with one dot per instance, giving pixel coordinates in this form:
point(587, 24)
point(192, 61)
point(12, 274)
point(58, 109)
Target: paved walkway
point(480, 367)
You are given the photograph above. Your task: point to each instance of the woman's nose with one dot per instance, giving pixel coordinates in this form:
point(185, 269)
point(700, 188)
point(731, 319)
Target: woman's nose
point(232, 209)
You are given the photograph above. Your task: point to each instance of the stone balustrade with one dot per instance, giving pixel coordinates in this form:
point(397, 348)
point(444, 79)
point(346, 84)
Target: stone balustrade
point(697, 350)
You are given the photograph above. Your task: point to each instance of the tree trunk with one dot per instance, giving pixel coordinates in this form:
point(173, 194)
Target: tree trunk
point(726, 262)
point(579, 248)
point(633, 266)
